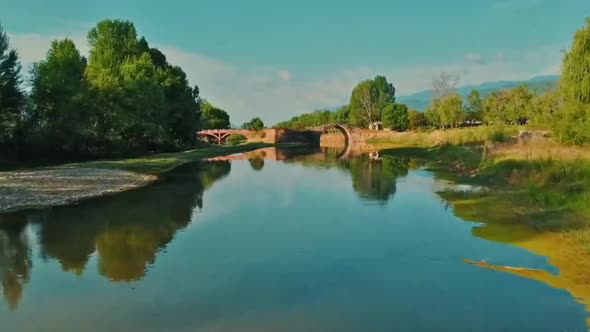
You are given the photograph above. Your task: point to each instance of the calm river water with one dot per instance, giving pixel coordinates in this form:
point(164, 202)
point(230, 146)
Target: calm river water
point(309, 243)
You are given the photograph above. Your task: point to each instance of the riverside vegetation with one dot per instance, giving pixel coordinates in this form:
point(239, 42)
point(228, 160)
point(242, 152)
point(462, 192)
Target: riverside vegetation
point(529, 156)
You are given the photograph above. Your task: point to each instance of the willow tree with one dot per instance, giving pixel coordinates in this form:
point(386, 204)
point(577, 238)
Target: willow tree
point(573, 121)
point(575, 77)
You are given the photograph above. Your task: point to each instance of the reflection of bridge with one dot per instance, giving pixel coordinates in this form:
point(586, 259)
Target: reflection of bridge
point(347, 131)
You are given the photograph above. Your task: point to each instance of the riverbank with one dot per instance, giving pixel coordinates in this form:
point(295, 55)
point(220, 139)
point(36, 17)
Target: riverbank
point(531, 194)
point(66, 184)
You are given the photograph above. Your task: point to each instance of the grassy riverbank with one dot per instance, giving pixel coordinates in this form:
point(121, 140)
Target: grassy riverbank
point(535, 196)
point(161, 163)
point(66, 184)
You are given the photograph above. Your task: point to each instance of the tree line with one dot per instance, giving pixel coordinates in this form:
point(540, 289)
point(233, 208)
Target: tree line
point(124, 97)
point(371, 101)
point(563, 108)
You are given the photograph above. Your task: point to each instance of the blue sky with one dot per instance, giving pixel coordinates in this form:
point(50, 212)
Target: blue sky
point(261, 57)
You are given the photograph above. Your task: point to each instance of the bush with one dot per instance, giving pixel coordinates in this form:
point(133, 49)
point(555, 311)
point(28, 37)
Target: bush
point(498, 134)
point(573, 124)
point(395, 116)
point(236, 139)
point(416, 120)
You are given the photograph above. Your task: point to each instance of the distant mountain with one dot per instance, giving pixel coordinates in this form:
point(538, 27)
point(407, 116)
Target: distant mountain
point(421, 100)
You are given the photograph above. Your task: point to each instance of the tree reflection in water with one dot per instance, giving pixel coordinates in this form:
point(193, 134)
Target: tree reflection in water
point(15, 262)
point(127, 231)
point(373, 179)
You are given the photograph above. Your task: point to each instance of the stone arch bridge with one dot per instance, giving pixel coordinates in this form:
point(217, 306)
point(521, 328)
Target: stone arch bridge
point(309, 135)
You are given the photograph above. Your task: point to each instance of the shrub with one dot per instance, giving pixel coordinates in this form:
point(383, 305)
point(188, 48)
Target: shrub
point(498, 134)
point(416, 120)
point(236, 139)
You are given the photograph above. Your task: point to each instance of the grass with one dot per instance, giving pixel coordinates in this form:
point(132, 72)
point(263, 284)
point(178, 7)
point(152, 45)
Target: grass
point(434, 138)
point(161, 163)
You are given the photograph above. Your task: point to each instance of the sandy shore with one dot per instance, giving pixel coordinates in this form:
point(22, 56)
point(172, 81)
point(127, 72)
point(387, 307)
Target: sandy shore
point(61, 186)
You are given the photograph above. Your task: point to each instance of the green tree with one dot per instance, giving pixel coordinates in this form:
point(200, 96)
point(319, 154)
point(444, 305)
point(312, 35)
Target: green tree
point(575, 76)
point(447, 112)
point(213, 117)
point(416, 120)
point(254, 124)
point(368, 100)
point(509, 106)
point(573, 121)
point(519, 104)
point(12, 98)
point(57, 94)
point(395, 116)
point(112, 42)
point(474, 107)
point(142, 116)
point(545, 107)
point(342, 115)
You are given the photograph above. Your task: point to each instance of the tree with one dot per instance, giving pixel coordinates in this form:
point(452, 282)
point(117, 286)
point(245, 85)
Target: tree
point(449, 111)
point(416, 120)
point(509, 106)
point(112, 42)
point(575, 77)
point(254, 124)
point(213, 117)
point(342, 115)
point(519, 104)
point(12, 98)
point(444, 85)
point(573, 123)
point(368, 100)
point(395, 116)
point(57, 93)
point(474, 107)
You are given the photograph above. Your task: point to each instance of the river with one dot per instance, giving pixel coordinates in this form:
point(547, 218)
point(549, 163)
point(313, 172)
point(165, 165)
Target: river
point(304, 243)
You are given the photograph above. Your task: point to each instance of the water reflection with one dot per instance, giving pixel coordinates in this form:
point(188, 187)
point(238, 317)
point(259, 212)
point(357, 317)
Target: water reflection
point(126, 231)
point(15, 262)
point(374, 176)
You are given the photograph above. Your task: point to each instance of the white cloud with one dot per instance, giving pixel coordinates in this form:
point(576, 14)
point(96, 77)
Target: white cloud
point(274, 95)
point(34, 47)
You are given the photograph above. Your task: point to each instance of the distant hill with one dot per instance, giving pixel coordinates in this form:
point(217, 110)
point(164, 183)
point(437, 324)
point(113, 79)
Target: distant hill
point(421, 100)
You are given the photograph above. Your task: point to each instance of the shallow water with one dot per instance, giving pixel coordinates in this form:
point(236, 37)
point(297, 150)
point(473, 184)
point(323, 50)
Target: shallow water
point(304, 244)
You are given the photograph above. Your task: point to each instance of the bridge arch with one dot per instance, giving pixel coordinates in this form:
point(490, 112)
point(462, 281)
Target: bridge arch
point(347, 137)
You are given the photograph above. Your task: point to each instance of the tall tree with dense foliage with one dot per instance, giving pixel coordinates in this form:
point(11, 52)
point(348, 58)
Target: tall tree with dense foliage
point(474, 107)
point(214, 117)
point(575, 76)
point(368, 100)
point(58, 113)
point(573, 121)
point(12, 98)
point(395, 116)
